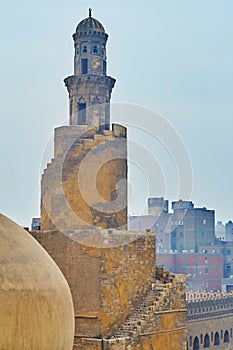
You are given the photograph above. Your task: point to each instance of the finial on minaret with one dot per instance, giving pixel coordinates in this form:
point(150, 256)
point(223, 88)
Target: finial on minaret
point(90, 10)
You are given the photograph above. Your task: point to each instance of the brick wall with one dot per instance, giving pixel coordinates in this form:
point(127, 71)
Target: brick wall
point(204, 271)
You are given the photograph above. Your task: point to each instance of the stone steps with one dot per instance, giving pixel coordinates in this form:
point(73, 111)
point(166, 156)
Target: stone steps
point(143, 316)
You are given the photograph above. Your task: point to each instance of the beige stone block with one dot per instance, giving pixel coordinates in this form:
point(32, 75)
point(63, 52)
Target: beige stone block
point(108, 132)
point(99, 137)
point(89, 143)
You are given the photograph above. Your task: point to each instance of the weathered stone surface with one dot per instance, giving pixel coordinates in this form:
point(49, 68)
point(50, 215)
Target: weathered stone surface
point(111, 288)
point(218, 326)
point(105, 283)
point(80, 187)
point(209, 320)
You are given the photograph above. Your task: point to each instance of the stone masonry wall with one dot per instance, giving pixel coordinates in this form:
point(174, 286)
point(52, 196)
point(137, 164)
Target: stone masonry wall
point(156, 322)
point(212, 329)
point(209, 320)
point(85, 184)
point(105, 283)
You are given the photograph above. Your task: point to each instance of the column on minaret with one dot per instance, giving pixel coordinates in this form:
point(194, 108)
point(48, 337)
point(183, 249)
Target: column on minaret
point(90, 88)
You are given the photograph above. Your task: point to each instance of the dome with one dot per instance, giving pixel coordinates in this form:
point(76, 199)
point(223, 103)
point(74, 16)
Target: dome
point(36, 303)
point(90, 23)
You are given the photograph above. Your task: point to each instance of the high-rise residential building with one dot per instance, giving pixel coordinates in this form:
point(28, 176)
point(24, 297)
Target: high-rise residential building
point(191, 227)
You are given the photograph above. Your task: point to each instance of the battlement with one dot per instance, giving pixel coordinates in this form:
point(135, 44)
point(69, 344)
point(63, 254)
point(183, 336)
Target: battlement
point(208, 305)
point(201, 296)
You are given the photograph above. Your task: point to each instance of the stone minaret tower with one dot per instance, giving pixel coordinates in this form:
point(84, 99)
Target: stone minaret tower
point(85, 184)
point(90, 88)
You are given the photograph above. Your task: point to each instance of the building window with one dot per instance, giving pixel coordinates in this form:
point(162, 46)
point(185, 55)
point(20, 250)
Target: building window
point(206, 341)
point(204, 221)
point(203, 234)
point(84, 49)
point(81, 113)
point(104, 67)
point(196, 345)
point(190, 341)
point(226, 337)
point(206, 271)
point(107, 116)
point(216, 339)
point(95, 50)
point(71, 111)
point(84, 65)
point(71, 107)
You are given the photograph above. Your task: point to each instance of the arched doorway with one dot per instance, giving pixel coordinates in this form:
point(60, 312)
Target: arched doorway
point(226, 337)
point(216, 339)
point(196, 345)
point(206, 341)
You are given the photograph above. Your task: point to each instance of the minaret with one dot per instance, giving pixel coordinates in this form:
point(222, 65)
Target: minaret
point(85, 184)
point(90, 88)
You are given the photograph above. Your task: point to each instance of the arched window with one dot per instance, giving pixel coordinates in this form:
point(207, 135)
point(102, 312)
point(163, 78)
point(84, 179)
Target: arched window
point(226, 337)
point(206, 341)
point(201, 338)
point(190, 341)
point(216, 339)
point(196, 345)
point(84, 65)
point(81, 113)
point(95, 49)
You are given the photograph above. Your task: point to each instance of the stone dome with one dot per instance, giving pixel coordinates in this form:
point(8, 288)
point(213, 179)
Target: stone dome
point(36, 303)
point(90, 24)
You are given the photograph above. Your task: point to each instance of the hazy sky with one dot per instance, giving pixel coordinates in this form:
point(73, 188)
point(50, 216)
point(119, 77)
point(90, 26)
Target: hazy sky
point(172, 56)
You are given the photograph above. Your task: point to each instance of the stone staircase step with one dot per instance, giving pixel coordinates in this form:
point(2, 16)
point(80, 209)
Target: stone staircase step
point(143, 316)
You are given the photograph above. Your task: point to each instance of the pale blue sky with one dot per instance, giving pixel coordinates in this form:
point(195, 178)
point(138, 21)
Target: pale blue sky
point(173, 56)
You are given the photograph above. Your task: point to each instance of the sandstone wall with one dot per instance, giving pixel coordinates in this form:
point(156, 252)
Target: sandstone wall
point(105, 283)
point(85, 184)
point(214, 328)
point(209, 320)
point(154, 324)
